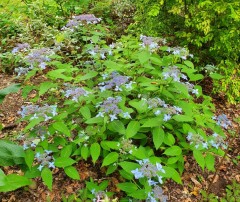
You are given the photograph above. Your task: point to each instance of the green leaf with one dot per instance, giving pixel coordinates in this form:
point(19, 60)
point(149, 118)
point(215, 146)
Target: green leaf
point(189, 64)
point(33, 123)
point(58, 74)
point(173, 151)
point(45, 86)
point(94, 120)
point(11, 154)
point(132, 129)
point(95, 151)
point(72, 172)
point(152, 122)
point(110, 158)
point(107, 145)
point(47, 177)
point(87, 76)
point(129, 166)
point(140, 153)
point(12, 182)
point(156, 60)
point(199, 158)
point(216, 76)
point(61, 127)
point(10, 89)
point(158, 136)
point(182, 118)
point(127, 187)
point(210, 162)
point(29, 157)
point(116, 126)
point(63, 162)
point(66, 151)
point(195, 77)
point(172, 173)
point(144, 56)
point(84, 152)
point(85, 111)
point(33, 173)
point(111, 169)
point(169, 139)
point(139, 194)
point(172, 160)
point(140, 106)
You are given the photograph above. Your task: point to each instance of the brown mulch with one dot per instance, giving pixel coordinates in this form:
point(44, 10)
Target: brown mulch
point(194, 179)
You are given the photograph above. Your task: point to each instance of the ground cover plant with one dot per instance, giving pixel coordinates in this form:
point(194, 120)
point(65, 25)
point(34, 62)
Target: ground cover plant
point(130, 105)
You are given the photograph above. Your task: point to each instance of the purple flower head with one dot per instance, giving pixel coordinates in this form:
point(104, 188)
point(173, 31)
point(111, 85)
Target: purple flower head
point(20, 47)
point(115, 82)
point(38, 112)
point(88, 18)
point(21, 71)
point(223, 121)
point(150, 42)
point(75, 93)
point(172, 72)
point(110, 107)
point(39, 57)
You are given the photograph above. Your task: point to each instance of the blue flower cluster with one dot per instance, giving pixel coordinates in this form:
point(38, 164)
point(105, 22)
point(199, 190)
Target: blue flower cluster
point(101, 52)
point(116, 82)
point(80, 19)
point(181, 52)
point(159, 106)
point(46, 111)
point(151, 171)
point(151, 42)
point(126, 146)
point(22, 70)
point(39, 57)
point(197, 140)
point(45, 159)
point(156, 194)
point(20, 47)
point(174, 73)
point(75, 93)
point(222, 120)
point(99, 195)
point(215, 141)
point(110, 107)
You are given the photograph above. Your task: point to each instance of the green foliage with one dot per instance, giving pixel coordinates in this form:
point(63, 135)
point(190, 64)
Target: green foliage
point(209, 28)
point(232, 194)
point(10, 89)
point(12, 182)
point(10, 154)
point(128, 106)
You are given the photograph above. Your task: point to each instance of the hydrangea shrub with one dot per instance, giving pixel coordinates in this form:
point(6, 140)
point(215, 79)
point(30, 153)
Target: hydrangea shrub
point(131, 106)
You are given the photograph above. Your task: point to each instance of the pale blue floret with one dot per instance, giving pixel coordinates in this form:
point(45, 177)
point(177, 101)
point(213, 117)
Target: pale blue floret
point(112, 117)
point(100, 114)
point(152, 182)
point(126, 115)
point(160, 168)
point(51, 164)
point(40, 167)
point(167, 117)
point(137, 173)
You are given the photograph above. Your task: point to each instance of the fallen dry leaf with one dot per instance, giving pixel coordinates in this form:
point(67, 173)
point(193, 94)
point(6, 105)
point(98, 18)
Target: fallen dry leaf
point(195, 191)
point(197, 184)
point(237, 178)
point(187, 200)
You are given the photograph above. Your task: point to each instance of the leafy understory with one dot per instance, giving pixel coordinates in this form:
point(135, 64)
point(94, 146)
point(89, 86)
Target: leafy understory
point(132, 105)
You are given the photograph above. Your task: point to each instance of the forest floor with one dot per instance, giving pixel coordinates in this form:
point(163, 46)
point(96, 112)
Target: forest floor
point(194, 179)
